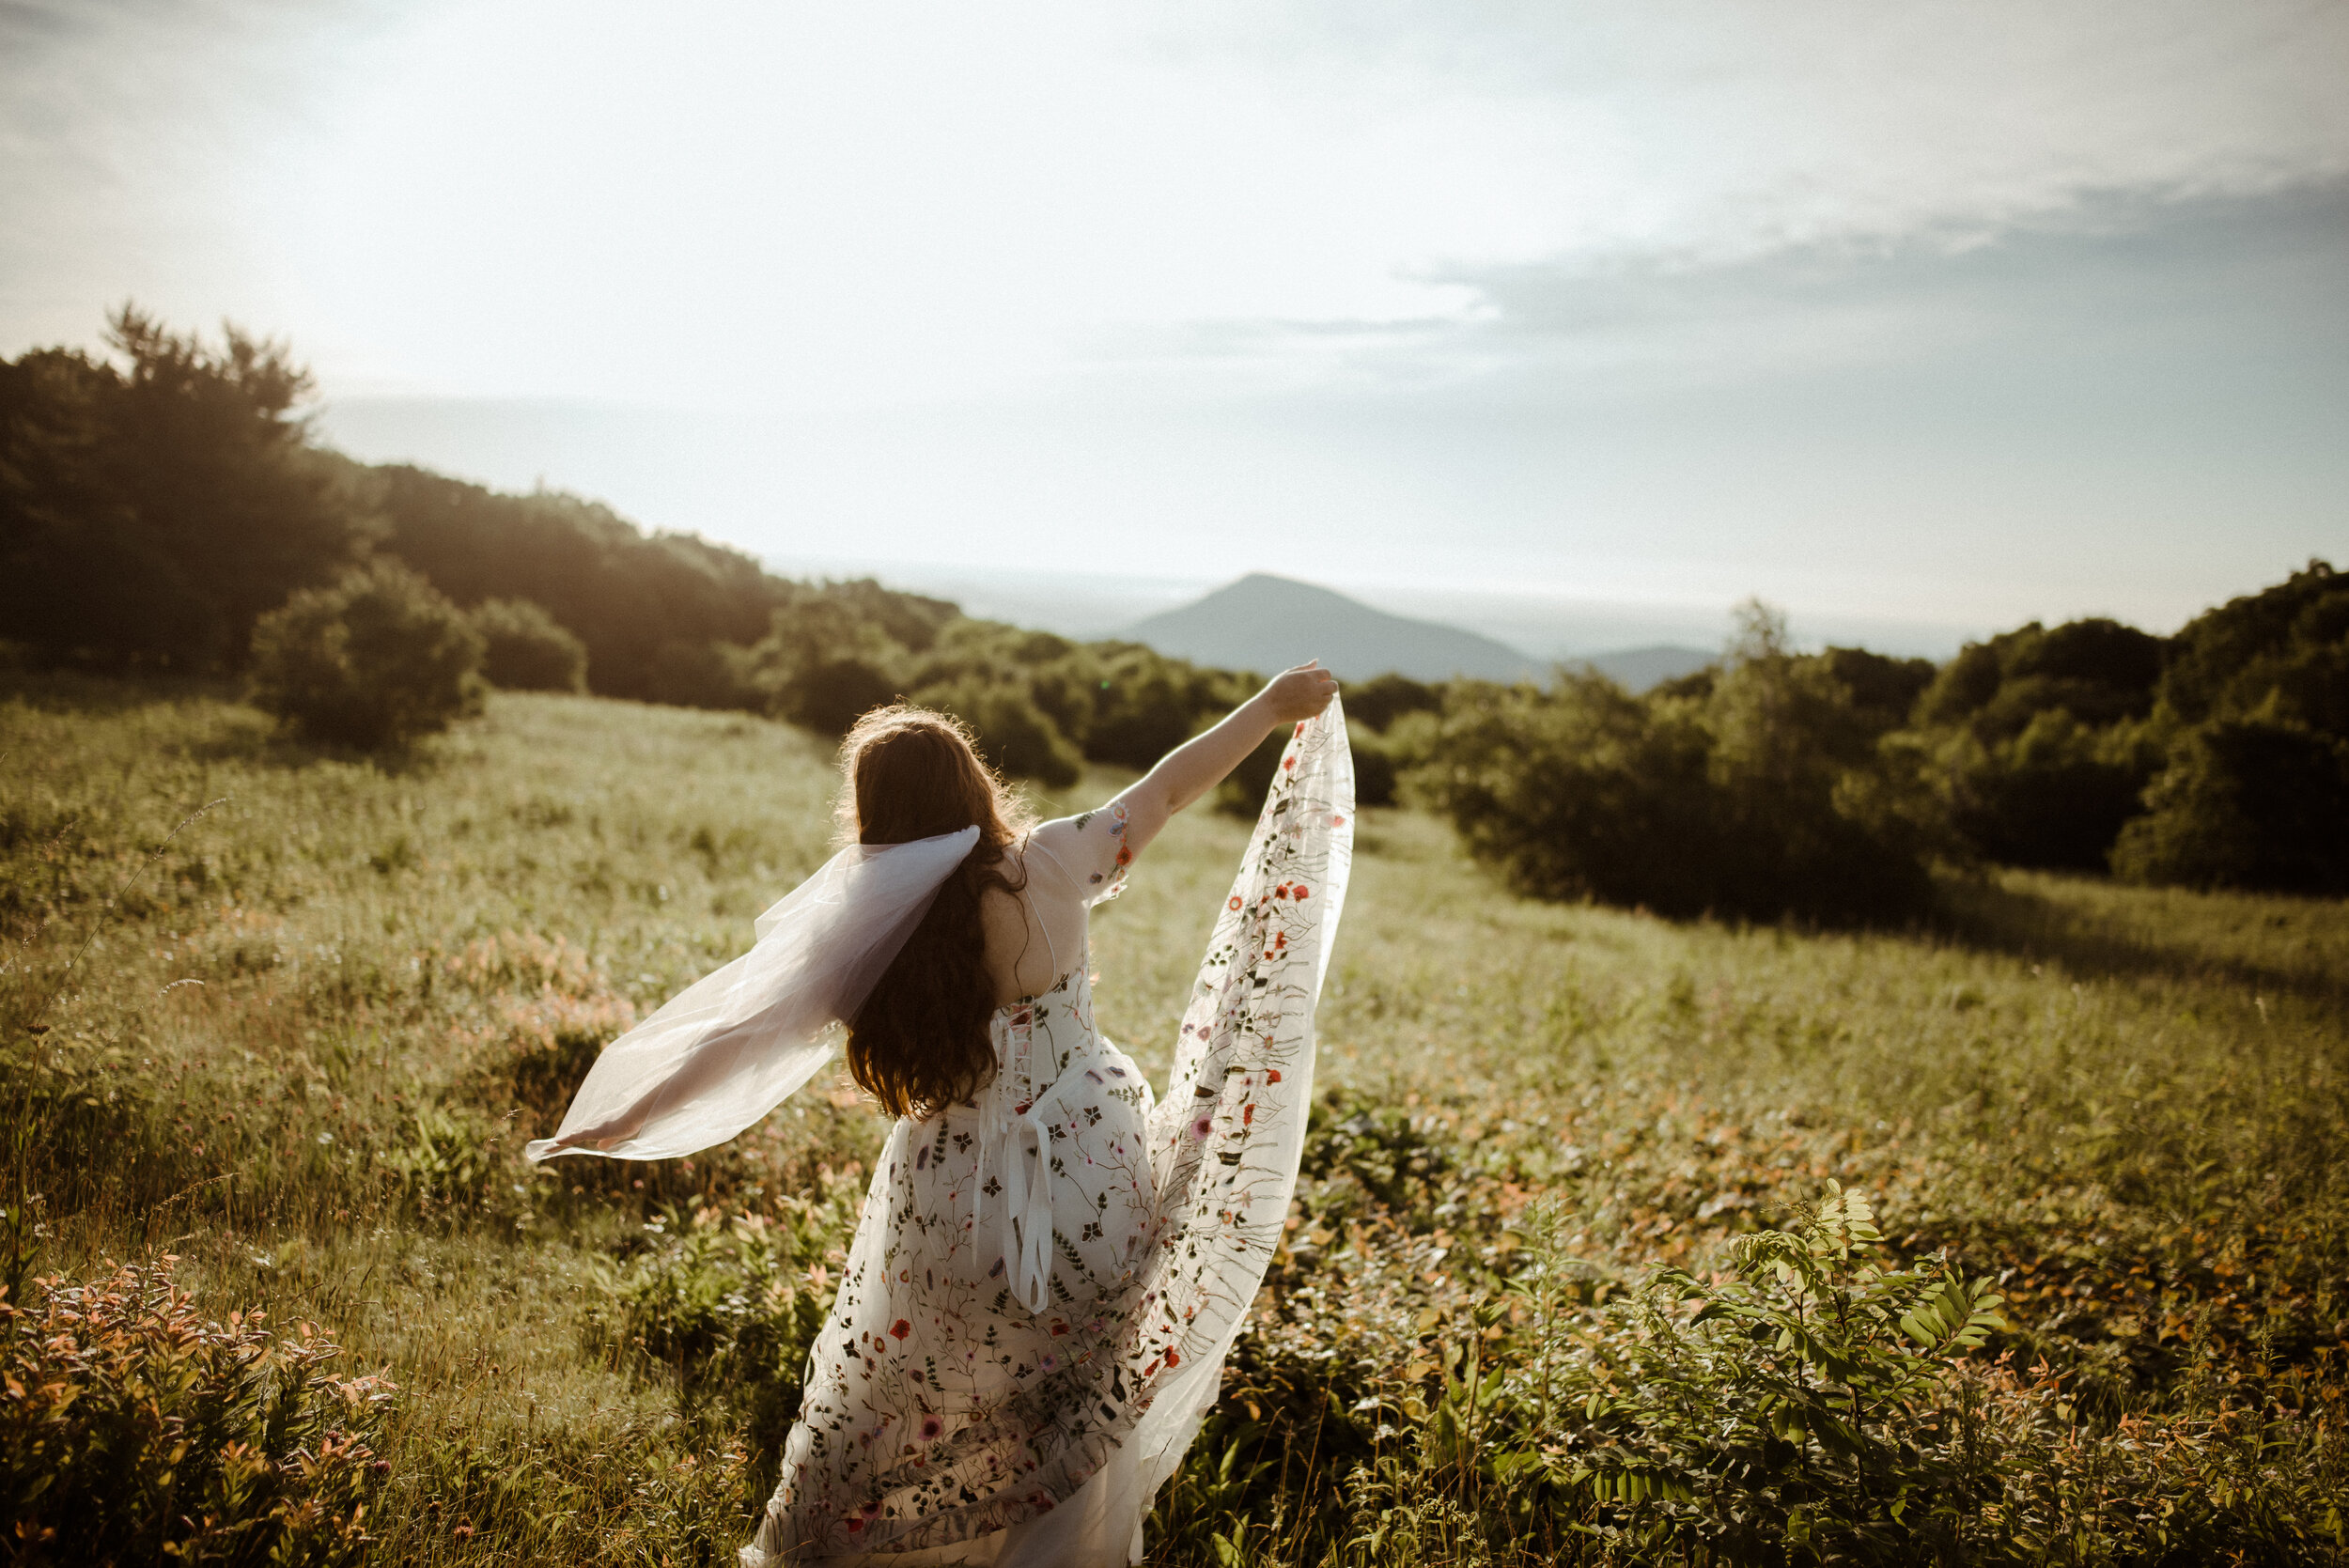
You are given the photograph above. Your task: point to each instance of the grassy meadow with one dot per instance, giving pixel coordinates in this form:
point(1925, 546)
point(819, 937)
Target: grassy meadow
point(287, 1017)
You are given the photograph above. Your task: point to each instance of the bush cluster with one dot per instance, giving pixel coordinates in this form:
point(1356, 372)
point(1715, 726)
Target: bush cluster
point(133, 1431)
point(2212, 759)
point(1760, 789)
point(1041, 706)
point(1820, 785)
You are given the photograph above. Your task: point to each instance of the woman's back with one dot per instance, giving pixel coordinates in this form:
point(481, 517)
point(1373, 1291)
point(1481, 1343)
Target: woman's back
point(1036, 936)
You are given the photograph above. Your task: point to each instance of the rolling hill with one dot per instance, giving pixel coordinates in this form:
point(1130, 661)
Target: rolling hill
point(1265, 622)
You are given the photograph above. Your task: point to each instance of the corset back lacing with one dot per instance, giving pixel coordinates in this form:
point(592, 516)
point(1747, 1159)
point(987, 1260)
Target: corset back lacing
point(1016, 1144)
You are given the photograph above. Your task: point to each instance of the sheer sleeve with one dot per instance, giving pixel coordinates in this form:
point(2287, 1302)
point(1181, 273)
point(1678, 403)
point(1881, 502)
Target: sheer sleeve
point(1091, 850)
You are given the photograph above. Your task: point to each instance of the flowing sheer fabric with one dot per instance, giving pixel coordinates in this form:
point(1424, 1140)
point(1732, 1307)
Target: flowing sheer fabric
point(1035, 1311)
point(733, 1045)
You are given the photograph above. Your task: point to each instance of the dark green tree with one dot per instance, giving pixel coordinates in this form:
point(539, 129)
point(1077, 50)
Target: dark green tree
point(150, 511)
point(2246, 803)
point(2040, 741)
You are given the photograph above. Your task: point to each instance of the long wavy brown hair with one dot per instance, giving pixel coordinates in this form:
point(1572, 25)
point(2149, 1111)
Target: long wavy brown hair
point(921, 1041)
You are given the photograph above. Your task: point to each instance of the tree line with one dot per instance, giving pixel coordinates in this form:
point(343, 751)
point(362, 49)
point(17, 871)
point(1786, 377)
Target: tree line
point(166, 509)
point(1826, 784)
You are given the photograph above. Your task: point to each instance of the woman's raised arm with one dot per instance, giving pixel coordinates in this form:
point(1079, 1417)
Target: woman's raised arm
point(1201, 763)
point(1093, 850)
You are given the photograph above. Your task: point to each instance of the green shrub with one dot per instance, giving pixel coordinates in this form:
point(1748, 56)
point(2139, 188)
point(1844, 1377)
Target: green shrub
point(133, 1431)
point(1242, 791)
point(731, 1306)
point(2098, 671)
point(154, 505)
point(374, 661)
point(2246, 804)
point(525, 649)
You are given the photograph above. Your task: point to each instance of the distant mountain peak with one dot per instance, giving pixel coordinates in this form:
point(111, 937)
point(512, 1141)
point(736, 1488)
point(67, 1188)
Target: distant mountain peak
point(1265, 622)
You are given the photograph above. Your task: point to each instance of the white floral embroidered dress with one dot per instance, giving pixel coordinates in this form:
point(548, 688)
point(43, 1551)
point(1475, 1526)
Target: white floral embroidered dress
point(1035, 1311)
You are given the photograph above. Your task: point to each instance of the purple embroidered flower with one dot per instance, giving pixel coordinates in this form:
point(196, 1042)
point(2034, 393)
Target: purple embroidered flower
point(931, 1427)
point(1203, 1127)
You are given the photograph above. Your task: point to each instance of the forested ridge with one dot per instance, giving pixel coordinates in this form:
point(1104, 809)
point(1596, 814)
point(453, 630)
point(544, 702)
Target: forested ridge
point(160, 504)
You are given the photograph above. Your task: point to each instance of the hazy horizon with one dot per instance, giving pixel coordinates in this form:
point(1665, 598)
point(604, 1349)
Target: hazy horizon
point(1930, 321)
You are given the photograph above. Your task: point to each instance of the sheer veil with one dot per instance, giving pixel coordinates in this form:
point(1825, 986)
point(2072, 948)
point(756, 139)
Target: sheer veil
point(737, 1042)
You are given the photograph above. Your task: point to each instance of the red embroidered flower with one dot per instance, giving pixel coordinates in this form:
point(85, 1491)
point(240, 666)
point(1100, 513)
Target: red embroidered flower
point(1235, 904)
point(901, 1328)
point(1246, 1115)
point(1301, 892)
point(1174, 1358)
point(1272, 1075)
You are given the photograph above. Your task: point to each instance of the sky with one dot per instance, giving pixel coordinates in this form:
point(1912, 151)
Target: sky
point(1577, 322)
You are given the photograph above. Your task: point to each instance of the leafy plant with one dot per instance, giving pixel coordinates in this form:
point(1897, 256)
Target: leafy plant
point(1810, 1407)
point(731, 1306)
point(133, 1431)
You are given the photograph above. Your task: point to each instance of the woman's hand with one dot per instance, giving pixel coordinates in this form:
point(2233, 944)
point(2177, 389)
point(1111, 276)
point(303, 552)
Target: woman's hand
point(1299, 693)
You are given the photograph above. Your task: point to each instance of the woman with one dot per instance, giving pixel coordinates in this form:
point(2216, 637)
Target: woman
point(1034, 1312)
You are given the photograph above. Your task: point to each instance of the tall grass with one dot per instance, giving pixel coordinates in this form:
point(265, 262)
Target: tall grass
point(302, 1047)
